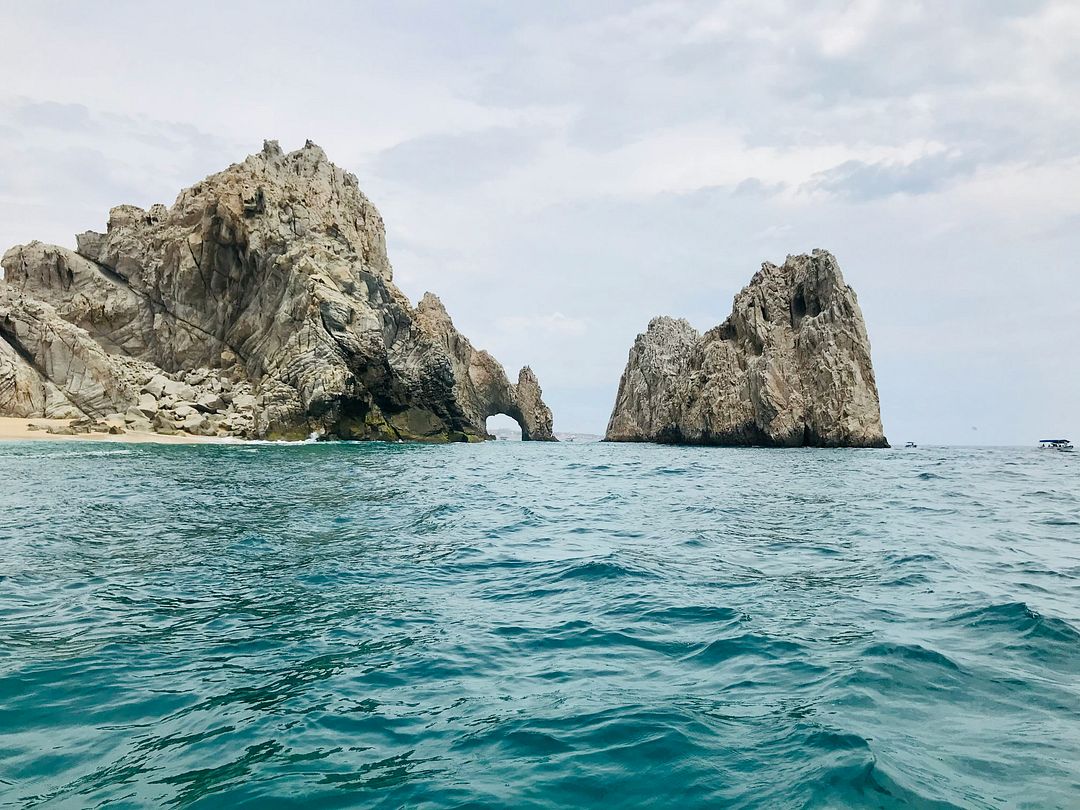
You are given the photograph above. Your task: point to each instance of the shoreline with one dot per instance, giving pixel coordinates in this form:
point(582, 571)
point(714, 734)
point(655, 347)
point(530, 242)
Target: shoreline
point(18, 429)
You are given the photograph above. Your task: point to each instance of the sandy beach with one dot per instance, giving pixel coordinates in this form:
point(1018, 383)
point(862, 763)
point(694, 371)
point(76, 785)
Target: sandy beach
point(15, 429)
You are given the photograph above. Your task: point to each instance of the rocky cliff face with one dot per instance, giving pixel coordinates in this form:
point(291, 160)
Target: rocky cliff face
point(260, 304)
point(789, 367)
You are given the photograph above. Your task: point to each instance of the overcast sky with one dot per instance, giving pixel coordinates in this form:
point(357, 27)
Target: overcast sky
point(559, 173)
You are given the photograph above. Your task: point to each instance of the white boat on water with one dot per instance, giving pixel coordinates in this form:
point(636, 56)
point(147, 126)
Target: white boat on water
point(1062, 445)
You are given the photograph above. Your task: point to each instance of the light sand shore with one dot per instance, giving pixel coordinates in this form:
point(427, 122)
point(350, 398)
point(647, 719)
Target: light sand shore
point(13, 429)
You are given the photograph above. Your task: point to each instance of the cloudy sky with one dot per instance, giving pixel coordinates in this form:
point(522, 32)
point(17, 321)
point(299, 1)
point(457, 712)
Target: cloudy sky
point(561, 172)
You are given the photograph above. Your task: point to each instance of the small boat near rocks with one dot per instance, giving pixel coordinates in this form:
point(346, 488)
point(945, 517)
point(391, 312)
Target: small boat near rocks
point(1061, 445)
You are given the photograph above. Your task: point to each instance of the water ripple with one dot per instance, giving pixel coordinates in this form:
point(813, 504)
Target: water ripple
point(538, 626)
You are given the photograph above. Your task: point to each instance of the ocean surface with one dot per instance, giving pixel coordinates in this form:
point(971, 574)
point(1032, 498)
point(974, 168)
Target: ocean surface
point(538, 626)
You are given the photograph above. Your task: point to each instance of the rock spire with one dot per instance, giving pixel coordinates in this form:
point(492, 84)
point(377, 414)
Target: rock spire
point(789, 367)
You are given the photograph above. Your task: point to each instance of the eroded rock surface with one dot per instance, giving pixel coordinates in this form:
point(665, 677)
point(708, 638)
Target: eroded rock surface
point(789, 367)
point(260, 304)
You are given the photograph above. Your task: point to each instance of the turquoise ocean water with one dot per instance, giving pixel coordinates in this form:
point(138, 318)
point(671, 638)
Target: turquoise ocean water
point(532, 625)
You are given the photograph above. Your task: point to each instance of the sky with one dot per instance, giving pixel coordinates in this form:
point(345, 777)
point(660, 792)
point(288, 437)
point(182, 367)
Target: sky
point(561, 172)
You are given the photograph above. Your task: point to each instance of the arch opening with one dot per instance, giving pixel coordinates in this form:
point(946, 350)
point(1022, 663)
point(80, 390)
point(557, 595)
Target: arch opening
point(504, 427)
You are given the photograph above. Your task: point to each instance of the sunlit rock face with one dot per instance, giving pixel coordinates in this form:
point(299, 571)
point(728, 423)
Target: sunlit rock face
point(789, 367)
point(268, 284)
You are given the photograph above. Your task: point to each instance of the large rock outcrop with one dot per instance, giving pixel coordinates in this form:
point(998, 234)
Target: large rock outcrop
point(789, 367)
point(260, 304)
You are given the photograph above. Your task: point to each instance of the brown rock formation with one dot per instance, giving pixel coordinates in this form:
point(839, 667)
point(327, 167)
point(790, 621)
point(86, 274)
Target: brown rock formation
point(266, 291)
point(789, 367)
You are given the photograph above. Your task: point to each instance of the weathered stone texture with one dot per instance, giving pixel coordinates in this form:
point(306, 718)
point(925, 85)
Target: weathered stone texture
point(789, 367)
point(268, 281)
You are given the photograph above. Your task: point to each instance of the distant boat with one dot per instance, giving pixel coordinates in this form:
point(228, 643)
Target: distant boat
point(911, 444)
point(1064, 445)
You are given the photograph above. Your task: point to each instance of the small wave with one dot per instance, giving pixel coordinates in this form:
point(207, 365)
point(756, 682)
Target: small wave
point(911, 558)
point(581, 635)
point(313, 438)
point(596, 570)
point(434, 516)
point(119, 451)
point(1019, 618)
point(830, 740)
point(747, 644)
point(694, 614)
point(906, 581)
point(1059, 521)
point(930, 510)
point(384, 773)
point(914, 653)
point(858, 779)
point(608, 498)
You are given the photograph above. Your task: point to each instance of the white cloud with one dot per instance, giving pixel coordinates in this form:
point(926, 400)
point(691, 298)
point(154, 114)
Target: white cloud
point(848, 30)
point(556, 324)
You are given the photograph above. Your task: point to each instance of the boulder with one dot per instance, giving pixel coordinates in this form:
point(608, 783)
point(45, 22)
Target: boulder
point(179, 390)
point(136, 420)
point(164, 422)
point(193, 422)
point(155, 387)
point(209, 402)
point(148, 404)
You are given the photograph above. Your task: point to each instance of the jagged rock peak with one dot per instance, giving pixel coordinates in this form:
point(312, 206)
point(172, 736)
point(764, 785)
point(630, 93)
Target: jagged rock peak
point(790, 366)
point(270, 275)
